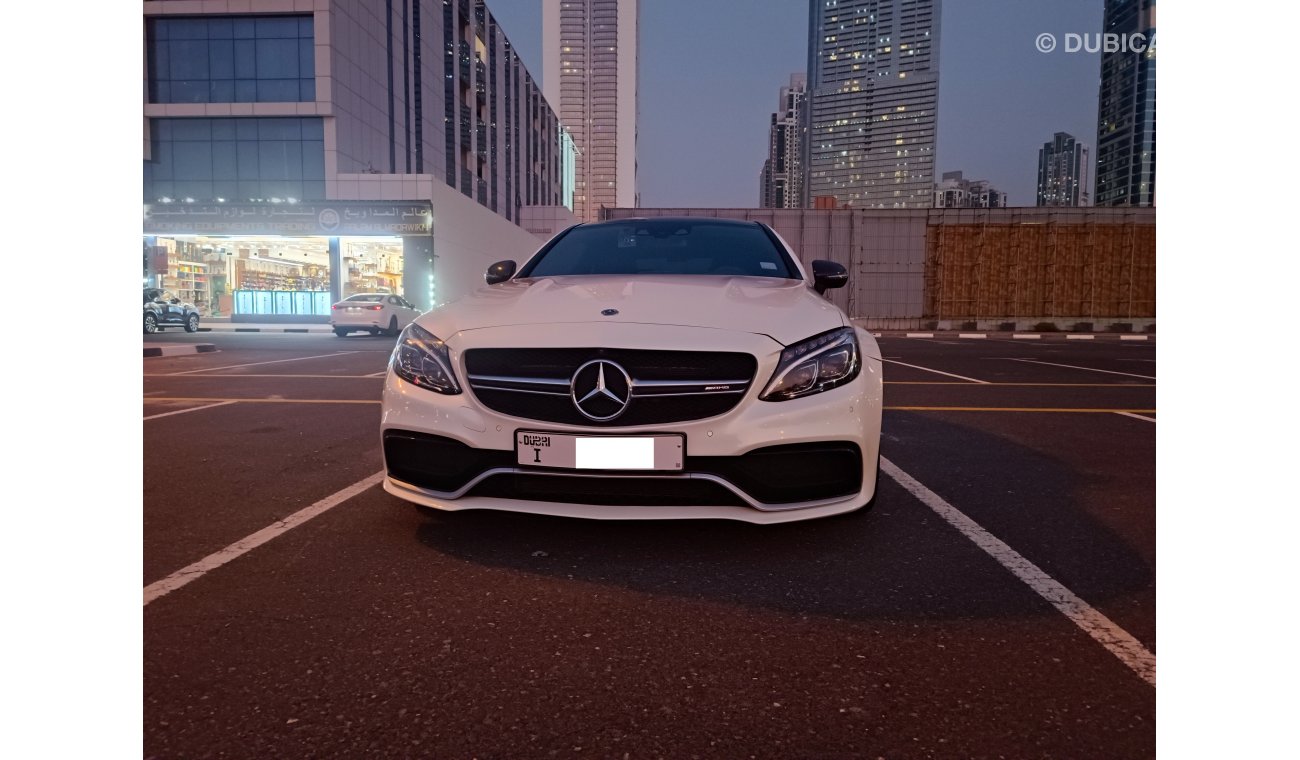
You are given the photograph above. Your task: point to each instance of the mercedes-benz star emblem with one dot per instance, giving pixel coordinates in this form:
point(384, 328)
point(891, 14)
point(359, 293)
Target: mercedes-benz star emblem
point(600, 390)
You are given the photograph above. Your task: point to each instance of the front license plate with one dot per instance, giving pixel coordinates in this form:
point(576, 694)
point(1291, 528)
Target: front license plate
point(664, 451)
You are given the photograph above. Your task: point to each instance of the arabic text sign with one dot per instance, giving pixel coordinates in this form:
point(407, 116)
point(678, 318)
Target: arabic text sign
point(323, 218)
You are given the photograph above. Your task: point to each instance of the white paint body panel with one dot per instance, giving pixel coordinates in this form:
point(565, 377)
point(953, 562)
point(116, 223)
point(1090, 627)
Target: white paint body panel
point(730, 314)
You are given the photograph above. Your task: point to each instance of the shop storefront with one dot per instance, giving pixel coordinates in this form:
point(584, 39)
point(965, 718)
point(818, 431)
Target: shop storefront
point(286, 262)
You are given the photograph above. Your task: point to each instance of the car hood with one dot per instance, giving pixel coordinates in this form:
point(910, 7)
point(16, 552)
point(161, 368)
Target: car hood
point(785, 310)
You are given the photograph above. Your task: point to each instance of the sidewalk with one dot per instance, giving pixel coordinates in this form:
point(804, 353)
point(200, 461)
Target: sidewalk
point(226, 327)
point(1050, 336)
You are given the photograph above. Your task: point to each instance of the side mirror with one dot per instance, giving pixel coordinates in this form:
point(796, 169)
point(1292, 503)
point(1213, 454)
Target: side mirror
point(500, 272)
point(176, 300)
point(828, 275)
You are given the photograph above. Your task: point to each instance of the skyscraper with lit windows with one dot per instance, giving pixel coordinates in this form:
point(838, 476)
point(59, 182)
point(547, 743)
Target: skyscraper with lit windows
point(873, 84)
point(589, 64)
point(1126, 108)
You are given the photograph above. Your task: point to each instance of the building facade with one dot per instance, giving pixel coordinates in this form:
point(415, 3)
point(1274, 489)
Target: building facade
point(1126, 107)
point(873, 86)
point(1063, 176)
point(955, 191)
point(783, 173)
point(589, 60)
point(338, 146)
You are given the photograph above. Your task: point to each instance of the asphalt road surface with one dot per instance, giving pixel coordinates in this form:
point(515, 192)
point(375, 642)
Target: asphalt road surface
point(998, 602)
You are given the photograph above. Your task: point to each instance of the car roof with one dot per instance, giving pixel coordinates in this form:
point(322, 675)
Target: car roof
point(676, 220)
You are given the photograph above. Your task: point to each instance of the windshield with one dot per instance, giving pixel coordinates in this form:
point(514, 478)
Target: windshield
point(371, 297)
point(664, 247)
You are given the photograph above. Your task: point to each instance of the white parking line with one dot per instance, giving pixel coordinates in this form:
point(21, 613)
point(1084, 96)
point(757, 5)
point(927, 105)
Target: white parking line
point(1081, 337)
point(244, 545)
point(971, 335)
point(255, 364)
point(191, 409)
point(1137, 416)
point(920, 335)
point(1072, 366)
point(378, 374)
point(1132, 337)
point(1021, 336)
point(1118, 641)
point(939, 372)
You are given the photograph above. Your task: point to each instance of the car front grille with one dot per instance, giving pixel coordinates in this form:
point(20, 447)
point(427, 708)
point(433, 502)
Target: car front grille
point(667, 386)
point(775, 475)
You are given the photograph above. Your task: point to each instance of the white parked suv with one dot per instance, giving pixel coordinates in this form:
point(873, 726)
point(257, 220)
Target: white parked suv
point(635, 369)
point(373, 313)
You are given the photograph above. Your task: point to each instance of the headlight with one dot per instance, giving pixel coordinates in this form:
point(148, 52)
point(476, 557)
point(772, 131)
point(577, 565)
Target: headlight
point(815, 365)
point(422, 358)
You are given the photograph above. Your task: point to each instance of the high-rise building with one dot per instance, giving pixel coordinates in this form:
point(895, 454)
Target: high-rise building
point(957, 192)
point(1126, 107)
point(1063, 176)
point(873, 87)
point(589, 64)
point(782, 182)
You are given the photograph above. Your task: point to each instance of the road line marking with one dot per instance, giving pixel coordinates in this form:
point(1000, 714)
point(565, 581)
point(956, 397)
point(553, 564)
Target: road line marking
point(1081, 337)
point(183, 411)
point(245, 374)
point(971, 335)
point(1020, 336)
point(919, 335)
point(378, 374)
point(938, 372)
point(1072, 366)
point(254, 364)
point(1132, 337)
point(244, 545)
point(1137, 416)
point(1117, 384)
point(1054, 410)
point(1119, 642)
point(270, 400)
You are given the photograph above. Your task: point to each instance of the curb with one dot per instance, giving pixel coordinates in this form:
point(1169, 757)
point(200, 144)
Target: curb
point(1014, 336)
point(326, 330)
point(179, 349)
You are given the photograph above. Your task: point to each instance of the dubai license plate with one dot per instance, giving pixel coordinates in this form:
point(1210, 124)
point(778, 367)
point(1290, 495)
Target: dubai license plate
point(660, 451)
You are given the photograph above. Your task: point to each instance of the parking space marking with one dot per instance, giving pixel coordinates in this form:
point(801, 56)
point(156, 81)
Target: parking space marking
point(1119, 642)
point(381, 373)
point(1081, 337)
point(1116, 384)
point(264, 400)
point(938, 372)
point(183, 411)
point(1138, 416)
point(1054, 410)
point(211, 562)
point(255, 364)
point(1072, 366)
point(244, 374)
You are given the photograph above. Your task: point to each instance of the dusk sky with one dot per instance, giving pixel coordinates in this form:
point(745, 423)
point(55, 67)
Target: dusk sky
point(711, 71)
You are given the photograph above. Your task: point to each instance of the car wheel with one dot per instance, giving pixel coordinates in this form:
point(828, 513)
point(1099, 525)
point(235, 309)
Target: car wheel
point(393, 330)
point(192, 323)
point(339, 331)
point(150, 324)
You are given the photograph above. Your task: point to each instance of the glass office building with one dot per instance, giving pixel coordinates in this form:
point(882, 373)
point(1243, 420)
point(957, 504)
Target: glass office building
point(292, 154)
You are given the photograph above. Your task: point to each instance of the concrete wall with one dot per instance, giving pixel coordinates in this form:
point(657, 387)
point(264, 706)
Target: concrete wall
point(901, 264)
point(467, 238)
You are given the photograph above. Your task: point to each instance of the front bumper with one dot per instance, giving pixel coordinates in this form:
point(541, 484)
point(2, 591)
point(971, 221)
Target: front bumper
point(761, 462)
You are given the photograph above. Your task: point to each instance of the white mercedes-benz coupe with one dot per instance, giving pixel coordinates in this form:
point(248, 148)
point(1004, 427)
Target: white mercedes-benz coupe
point(640, 369)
